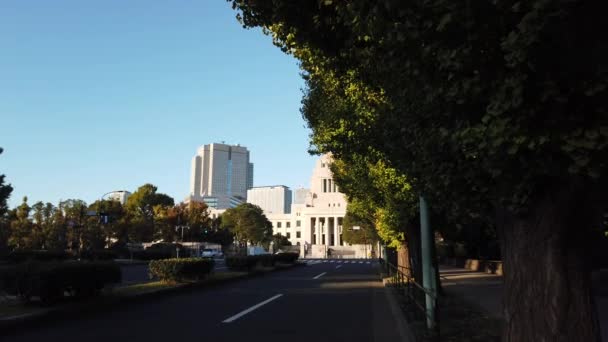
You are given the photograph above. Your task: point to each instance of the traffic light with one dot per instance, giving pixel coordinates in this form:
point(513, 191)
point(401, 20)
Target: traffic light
point(104, 218)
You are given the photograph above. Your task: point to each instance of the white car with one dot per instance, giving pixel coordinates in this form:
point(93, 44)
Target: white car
point(211, 253)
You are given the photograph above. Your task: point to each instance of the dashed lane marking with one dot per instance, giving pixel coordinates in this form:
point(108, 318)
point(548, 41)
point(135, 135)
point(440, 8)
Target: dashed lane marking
point(246, 311)
point(319, 275)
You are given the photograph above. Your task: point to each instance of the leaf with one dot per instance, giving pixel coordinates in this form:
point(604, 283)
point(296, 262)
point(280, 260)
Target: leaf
point(444, 21)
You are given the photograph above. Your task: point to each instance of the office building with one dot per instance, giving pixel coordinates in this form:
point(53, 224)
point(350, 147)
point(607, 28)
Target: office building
point(220, 175)
point(272, 199)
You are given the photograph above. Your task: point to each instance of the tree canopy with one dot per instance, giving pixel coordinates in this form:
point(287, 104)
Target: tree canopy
point(248, 224)
point(493, 110)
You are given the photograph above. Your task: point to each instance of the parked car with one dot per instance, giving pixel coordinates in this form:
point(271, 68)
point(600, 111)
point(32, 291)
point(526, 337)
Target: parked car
point(211, 253)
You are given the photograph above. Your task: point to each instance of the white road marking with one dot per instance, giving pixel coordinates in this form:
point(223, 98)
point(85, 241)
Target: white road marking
point(319, 275)
point(331, 261)
point(338, 266)
point(324, 260)
point(360, 262)
point(244, 312)
point(368, 262)
point(221, 268)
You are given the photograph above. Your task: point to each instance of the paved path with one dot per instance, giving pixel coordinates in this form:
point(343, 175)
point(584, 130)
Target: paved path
point(486, 290)
point(329, 300)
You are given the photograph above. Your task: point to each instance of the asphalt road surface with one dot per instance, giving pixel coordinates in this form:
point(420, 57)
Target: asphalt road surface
point(328, 300)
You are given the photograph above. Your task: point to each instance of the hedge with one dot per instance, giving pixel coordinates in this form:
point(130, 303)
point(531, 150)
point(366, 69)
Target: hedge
point(179, 270)
point(286, 258)
point(51, 280)
point(100, 254)
point(18, 256)
point(249, 262)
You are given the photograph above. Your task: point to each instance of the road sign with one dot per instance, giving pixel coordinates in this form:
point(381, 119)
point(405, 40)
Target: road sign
point(356, 227)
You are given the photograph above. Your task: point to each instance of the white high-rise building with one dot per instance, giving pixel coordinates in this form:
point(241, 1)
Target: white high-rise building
point(272, 199)
point(220, 175)
point(120, 196)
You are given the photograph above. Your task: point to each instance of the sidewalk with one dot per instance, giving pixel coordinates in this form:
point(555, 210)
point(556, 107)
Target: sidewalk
point(485, 291)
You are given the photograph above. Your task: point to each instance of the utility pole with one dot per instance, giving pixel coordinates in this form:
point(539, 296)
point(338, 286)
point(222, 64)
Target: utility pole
point(428, 271)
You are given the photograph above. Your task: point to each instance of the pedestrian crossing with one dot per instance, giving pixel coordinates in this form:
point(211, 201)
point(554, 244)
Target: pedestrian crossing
point(335, 261)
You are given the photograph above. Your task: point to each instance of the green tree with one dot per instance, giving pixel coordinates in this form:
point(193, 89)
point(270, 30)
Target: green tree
point(113, 226)
point(218, 234)
point(55, 229)
point(5, 193)
point(248, 224)
point(75, 212)
point(21, 228)
point(279, 241)
point(492, 109)
point(358, 229)
point(140, 210)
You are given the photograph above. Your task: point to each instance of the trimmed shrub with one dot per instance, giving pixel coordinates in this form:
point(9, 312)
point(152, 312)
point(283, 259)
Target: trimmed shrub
point(179, 270)
point(18, 256)
point(286, 258)
point(241, 262)
point(51, 280)
point(249, 262)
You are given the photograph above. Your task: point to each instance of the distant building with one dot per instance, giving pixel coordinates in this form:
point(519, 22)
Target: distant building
point(220, 175)
point(299, 196)
point(274, 199)
point(120, 196)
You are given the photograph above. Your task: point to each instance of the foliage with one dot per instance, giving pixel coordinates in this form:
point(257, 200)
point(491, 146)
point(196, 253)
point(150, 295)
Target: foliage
point(216, 233)
point(249, 262)
point(493, 110)
point(5, 193)
point(23, 255)
point(140, 208)
point(50, 280)
point(248, 224)
point(280, 240)
point(180, 270)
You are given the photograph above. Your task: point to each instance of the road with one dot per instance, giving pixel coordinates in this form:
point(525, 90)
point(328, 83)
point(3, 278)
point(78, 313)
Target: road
point(330, 300)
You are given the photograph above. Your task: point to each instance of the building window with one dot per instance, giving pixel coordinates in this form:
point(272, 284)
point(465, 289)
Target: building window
point(298, 223)
point(288, 235)
point(298, 235)
point(325, 185)
point(287, 224)
point(278, 224)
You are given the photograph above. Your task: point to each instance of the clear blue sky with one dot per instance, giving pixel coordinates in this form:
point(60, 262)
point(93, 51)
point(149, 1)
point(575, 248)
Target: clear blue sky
point(111, 94)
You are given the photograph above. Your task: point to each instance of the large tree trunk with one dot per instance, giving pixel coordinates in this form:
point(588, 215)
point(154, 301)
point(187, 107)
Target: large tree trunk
point(403, 260)
point(415, 254)
point(547, 277)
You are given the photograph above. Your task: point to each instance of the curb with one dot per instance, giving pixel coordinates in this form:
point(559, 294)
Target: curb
point(403, 328)
point(112, 302)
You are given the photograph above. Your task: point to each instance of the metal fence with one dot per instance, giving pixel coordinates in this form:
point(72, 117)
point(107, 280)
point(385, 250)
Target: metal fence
point(413, 296)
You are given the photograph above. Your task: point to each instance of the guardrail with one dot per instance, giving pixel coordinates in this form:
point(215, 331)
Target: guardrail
point(414, 295)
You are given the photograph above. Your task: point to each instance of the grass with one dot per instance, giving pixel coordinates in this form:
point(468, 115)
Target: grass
point(10, 308)
point(137, 289)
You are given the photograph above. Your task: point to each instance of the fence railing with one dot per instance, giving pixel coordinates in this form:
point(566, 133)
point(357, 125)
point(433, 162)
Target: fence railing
point(413, 295)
